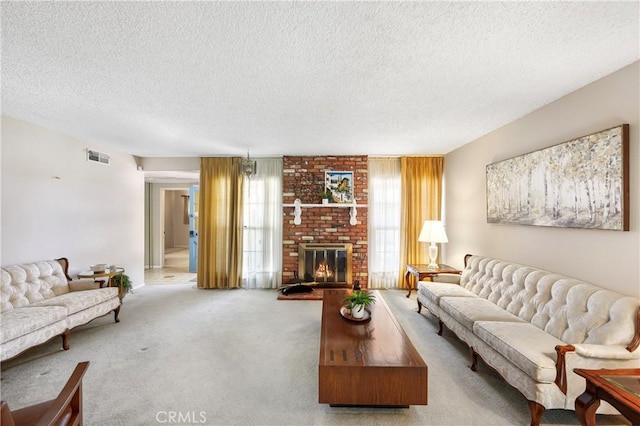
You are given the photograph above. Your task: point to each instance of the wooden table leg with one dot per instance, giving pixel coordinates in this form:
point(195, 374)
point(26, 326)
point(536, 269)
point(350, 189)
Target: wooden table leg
point(408, 282)
point(586, 406)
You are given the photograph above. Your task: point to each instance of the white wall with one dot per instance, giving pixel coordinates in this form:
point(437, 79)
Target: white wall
point(57, 204)
point(607, 258)
point(1, 200)
point(187, 164)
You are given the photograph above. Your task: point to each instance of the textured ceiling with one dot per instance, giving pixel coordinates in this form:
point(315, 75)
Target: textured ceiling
point(159, 79)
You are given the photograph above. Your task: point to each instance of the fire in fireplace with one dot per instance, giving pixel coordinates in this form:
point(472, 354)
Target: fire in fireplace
point(326, 264)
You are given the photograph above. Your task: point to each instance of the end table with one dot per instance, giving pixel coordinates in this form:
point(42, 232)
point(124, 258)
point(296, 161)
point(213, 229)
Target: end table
point(421, 271)
point(104, 274)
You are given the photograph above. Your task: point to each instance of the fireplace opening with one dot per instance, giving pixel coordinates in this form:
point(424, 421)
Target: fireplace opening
point(325, 264)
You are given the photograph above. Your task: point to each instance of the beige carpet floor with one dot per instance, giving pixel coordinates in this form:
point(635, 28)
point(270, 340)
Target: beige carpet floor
point(241, 357)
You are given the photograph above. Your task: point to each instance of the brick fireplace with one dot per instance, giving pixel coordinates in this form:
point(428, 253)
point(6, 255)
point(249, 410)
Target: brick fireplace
point(326, 264)
point(303, 178)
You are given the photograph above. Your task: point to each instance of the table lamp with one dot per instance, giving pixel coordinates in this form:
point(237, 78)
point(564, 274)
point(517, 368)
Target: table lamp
point(433, 232)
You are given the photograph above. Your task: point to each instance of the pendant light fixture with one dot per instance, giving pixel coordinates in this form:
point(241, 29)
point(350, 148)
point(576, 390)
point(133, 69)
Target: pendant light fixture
point(249, 166)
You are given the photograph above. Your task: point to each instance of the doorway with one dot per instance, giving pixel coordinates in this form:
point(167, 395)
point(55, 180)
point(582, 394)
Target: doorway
point(166, 235)
point(172, 245)
point(176, 229)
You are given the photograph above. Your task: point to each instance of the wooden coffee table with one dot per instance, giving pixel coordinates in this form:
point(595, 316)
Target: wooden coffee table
point(620, 388)
point(370, 363)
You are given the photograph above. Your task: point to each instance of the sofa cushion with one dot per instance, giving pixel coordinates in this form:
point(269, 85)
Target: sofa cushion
point(77, 301)
point(20, 322)
point(468, 310)
point(434, 291)
point(525, 345)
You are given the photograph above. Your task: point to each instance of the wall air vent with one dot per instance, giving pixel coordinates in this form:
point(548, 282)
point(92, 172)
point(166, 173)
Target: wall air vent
point(98, 157)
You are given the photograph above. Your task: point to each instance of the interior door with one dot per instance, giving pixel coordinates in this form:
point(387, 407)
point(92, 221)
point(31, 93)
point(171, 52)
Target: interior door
point(193, 228)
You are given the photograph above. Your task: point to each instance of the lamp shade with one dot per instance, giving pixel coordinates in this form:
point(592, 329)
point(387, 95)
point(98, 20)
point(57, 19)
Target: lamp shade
point(433, 232)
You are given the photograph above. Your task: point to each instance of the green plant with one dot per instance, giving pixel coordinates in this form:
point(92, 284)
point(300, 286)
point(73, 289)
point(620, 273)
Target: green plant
point(326, 194)
point(359, 297)
point(122, 281)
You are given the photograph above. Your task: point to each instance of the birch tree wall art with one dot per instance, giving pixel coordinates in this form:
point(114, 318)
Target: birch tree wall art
point(582, 183)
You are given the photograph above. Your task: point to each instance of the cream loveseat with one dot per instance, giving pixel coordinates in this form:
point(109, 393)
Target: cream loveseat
point(39, 301)
point(534, 327)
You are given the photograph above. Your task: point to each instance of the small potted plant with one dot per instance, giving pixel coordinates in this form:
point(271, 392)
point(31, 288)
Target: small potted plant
point(358, 301)
point(325, 195)
point(123, 282)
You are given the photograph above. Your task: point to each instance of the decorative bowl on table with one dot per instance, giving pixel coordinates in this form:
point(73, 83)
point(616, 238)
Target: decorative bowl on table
point(347, 314)
point(99, 268)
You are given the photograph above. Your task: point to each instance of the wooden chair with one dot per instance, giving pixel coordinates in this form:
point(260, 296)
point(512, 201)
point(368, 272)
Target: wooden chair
point(66, 409)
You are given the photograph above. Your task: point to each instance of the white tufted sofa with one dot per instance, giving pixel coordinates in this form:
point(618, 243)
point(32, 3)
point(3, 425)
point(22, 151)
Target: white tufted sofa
point(39, 301)
point(534, 327)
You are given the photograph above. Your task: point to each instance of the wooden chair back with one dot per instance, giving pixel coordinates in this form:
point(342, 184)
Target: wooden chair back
point(66, 409)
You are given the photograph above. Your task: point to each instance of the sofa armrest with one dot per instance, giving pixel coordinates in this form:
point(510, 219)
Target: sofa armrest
point(83, 284)
point(605, 352)
point(590, 357)
point(561, 366)
point(635, 343)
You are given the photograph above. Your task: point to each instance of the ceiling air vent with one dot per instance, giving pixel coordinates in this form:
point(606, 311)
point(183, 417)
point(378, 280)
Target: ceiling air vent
point(98, 157)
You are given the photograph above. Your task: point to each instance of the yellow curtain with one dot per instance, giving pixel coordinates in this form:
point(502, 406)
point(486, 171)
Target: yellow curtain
point(421, 183)
point(220, 223)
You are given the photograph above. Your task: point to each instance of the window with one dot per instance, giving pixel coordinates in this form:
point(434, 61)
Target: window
point(262, 236)
point(384, 222)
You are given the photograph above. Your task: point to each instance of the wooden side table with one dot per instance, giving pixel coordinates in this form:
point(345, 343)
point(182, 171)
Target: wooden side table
point(105, 274)
point(620, 388)
point(421, 271)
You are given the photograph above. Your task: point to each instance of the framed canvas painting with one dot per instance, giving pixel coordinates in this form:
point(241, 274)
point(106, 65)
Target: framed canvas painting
point(340, 185)
point(581, 183)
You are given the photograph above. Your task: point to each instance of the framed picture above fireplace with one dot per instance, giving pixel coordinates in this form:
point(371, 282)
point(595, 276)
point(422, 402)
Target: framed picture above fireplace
point(340, 185)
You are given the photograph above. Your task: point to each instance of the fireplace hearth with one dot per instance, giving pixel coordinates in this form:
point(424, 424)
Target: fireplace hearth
point(326, 264)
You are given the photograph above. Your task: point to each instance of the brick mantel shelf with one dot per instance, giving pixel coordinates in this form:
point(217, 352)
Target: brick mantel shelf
point(297, 205)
